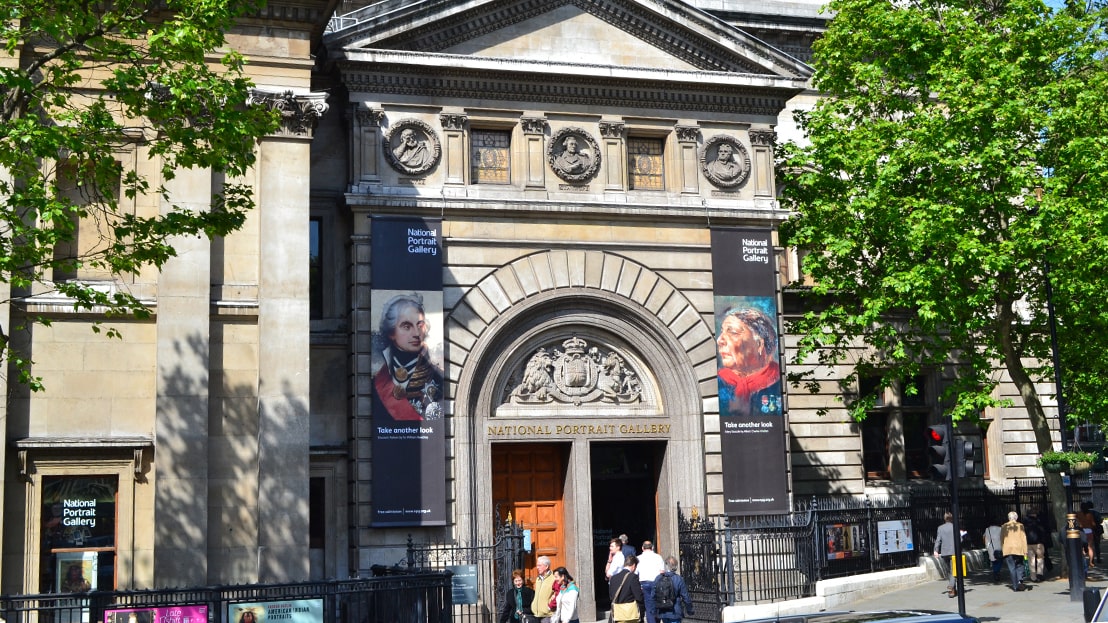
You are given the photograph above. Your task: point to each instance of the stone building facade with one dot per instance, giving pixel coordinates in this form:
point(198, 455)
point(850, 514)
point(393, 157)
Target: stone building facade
point(576, 156)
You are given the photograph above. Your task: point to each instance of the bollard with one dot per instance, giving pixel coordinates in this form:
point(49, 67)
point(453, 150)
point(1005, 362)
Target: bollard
point(1075, 559)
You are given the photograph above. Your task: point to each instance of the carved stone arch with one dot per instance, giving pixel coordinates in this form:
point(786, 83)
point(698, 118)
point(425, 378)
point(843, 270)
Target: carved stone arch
point(552, 295)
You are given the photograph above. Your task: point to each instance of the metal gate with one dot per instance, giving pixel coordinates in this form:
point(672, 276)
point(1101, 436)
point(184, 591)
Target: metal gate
point(487, 569)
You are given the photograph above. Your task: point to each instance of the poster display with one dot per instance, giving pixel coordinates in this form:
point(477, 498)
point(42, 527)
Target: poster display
point(894, 536)
point(751, 401)
point(409, 384)
point(167, 614)
point(287, 611)
point(845, 540)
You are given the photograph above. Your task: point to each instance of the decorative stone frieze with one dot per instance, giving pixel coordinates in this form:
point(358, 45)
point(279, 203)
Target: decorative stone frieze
point(453, 121)
point(576, 374)
point(368, 117)
point(412, 147)
point(300, 112)
point(574, 155)
point(532, 125)
point(763, 137)
point(724, 161)
point(687, 133)
point(611, 129)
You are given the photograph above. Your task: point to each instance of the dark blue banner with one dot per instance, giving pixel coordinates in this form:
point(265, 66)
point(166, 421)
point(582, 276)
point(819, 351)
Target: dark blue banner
point(409, 385)
point(751, 402)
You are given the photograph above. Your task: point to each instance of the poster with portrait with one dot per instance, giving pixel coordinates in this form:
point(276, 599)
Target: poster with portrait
point(408, 377)
point(285, 611)
point(749, 375)
point(166, 614)
point(75, 572)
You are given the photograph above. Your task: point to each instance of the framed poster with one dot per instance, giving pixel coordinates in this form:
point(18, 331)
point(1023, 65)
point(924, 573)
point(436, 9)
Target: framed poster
point(75, 572)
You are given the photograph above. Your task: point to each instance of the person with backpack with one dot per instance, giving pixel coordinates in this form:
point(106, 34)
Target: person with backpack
point(671, 594)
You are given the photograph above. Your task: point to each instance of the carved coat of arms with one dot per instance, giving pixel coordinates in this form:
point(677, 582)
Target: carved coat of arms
point(576, 374)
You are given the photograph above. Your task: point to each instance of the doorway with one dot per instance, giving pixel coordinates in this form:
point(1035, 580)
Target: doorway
point(624, 500)
point(528, 481)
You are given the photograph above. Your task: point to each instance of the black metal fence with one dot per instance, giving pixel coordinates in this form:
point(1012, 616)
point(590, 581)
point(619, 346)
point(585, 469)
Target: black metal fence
point(423, 597)
point(487, 569)
point(763, 559)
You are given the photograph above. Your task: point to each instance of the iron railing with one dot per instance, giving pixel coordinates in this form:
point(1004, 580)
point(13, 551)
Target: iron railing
point(423, 597)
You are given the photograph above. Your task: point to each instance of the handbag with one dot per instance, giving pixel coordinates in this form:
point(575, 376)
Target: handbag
point(625, 612)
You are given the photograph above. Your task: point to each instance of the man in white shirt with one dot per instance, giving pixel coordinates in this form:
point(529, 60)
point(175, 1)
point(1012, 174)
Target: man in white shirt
point(650, 567)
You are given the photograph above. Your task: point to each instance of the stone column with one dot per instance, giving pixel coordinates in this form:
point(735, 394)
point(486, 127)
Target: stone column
point(611, 133)
point(181, 426)
point(283, 336)
point(762, 162)
point(365, 145)
point(689, 163)
point(534, 133)
point(454, 146)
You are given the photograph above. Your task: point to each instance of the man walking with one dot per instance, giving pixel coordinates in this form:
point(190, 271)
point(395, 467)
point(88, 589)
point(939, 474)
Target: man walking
point(544, 588)
point(682, 605)
point(1013, 542)
point(626, 594)
point(1036, 548)
point(944, 551)
point(650, 566)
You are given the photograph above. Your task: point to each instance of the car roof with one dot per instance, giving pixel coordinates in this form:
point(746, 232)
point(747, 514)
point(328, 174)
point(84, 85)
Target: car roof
point(896, 616)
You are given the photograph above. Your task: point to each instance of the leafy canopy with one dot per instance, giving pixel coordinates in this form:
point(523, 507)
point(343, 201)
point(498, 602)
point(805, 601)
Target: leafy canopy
point(959, 159)
point(80, 83)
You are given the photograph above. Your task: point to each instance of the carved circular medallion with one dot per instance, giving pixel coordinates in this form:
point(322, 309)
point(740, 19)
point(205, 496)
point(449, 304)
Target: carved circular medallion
point(725, 162)
point(412, 147)
point(574, 155)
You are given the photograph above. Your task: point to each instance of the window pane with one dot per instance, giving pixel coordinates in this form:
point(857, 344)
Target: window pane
point(875, 445)
point(490, 156)
point(78, 535)
point(645, 164)
point(917, 399)
point(315, 270)
point(916, 461)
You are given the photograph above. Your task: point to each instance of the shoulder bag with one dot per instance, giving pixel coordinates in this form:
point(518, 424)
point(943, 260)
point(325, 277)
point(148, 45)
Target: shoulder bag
point(628, 611)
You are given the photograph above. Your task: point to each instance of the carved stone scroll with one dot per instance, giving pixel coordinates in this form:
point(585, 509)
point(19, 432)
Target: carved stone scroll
point(576, 374)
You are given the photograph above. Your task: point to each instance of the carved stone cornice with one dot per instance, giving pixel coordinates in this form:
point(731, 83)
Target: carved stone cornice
point(299, 111)
point(533, 125)
point(765, 138)
point(611, 129)
point(687, 133)
point(468, 84)
point(453, 121)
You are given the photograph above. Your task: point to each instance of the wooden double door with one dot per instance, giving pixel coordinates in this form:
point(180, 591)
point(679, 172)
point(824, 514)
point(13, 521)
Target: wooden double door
point(528, 481)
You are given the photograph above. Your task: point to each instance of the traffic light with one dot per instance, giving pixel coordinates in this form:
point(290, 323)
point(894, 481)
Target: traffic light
point(968, 457)
point(938, 449)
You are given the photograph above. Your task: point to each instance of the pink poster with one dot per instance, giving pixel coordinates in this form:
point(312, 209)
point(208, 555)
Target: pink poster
point(168, 614)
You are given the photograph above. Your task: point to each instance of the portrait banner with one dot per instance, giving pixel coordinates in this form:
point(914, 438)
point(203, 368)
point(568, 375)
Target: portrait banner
point(408, 384)
point(167, 614)
point(751, 401)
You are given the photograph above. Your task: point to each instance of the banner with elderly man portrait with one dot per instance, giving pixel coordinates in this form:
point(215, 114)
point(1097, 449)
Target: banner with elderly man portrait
point(748, 359)
point(408, 382)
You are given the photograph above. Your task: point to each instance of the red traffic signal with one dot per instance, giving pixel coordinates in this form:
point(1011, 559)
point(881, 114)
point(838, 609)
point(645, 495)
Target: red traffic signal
point(938, 450)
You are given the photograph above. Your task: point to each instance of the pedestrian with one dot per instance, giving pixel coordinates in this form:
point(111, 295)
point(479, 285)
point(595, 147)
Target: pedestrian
point(1036, 545)
point(615, 558)
point(544, 588)
point(517, 601)
point(626, 594)
point(1013, 539)
point(650, 566)
point(944, 551)
point(992, 547)
point(682, 605)
point(1086, 520)
point(628, 550)
point(566, 610)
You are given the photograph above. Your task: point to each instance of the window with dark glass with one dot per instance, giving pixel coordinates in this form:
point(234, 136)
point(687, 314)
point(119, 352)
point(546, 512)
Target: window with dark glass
point(490, 156)
point(645, 168)
point(894, 431)
point(315, 269)
point(78, 533)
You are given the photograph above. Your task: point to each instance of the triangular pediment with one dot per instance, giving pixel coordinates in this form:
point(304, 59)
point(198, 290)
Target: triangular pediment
point(655, 35)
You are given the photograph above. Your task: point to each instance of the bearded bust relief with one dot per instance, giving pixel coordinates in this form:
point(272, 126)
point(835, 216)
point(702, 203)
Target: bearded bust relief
point(412, 147)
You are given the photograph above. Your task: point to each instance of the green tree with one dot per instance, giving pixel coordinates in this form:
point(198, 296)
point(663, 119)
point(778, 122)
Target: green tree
point(81, 81)
point(958, 160)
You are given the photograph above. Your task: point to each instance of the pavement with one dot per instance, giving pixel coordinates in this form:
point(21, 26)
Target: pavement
point(1048, 601)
